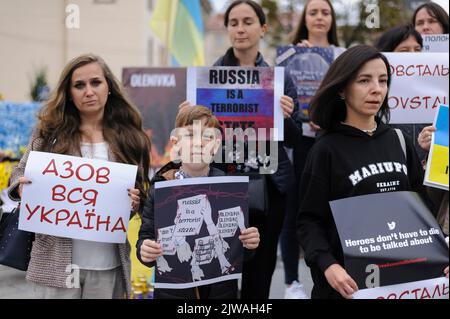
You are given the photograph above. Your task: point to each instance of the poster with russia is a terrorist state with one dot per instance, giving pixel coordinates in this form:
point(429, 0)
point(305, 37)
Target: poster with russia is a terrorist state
point(241, 98)
point(198, 222)
point(77, 198)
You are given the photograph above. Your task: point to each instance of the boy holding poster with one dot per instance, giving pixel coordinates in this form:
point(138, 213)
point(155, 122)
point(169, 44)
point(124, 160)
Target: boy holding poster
point(148, 250)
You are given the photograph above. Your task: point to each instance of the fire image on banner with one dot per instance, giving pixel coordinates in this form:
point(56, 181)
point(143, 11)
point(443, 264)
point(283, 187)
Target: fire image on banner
point(436, 174)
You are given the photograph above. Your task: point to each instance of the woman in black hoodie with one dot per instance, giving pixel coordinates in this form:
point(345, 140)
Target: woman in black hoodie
point(356, 153)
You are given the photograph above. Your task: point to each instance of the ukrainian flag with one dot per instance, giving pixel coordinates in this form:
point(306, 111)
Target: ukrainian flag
point(178, 24)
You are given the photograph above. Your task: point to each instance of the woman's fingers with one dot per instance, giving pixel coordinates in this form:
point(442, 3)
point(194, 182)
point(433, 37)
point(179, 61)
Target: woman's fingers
point(135, 198)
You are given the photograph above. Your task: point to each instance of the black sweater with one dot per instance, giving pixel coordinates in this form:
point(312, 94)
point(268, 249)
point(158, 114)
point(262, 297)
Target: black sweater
point(346, 162)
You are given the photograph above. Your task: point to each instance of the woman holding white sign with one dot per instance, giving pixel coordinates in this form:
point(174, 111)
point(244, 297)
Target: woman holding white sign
point(358, 154)
point(403, 39)
point(89, 116)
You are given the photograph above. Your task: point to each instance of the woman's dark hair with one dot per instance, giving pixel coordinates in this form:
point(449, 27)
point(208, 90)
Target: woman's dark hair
point(436, 11)
point(327, 108)
point(302, 30)
point(393, 37)
point(255, 6)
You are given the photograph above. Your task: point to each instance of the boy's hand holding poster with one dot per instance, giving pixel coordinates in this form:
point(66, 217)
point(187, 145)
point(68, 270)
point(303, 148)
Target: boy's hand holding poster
point(393, 247)
point(240, 98)
point(436, 174)
point(435, 42)
point(77, 198)
point(307, 67)
point(198, 222)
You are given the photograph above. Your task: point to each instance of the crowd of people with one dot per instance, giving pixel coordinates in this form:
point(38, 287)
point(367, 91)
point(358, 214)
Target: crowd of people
point(89, 115)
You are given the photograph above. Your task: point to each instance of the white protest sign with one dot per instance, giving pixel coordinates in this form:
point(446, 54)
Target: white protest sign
point(240, 98)
point(419, 85)
point(435, 43)
point(77, 198)
point(425, 289)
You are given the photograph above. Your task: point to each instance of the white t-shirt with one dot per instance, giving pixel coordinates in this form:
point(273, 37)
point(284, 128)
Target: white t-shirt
point(91, 255)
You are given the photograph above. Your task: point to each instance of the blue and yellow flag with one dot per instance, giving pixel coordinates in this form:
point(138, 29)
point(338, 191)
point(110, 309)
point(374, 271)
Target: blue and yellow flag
point(437, 166)
point(179, 25)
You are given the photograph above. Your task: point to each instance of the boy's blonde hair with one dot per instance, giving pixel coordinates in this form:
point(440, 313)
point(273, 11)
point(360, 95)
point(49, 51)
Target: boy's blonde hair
point(189, 114)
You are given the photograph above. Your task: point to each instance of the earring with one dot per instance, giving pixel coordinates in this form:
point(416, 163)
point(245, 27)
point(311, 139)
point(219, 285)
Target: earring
point(109, 93)
point(342, 97)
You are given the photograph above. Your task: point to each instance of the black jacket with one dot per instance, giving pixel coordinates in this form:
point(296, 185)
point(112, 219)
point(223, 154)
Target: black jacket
point(283, 178)
point(347, 162)
point(221, 290)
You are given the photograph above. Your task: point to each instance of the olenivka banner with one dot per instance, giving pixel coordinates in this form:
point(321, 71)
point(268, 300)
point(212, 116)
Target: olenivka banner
point(436, 174)
point(392, 245)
